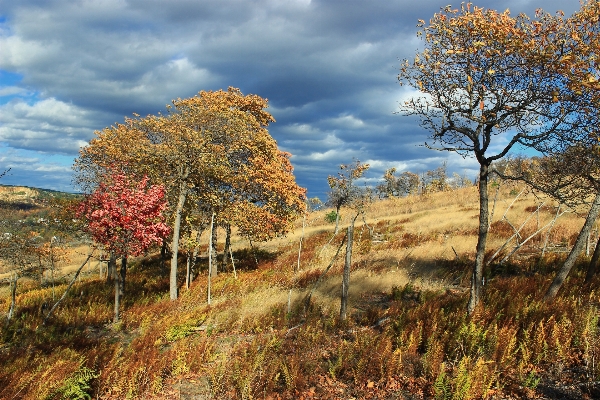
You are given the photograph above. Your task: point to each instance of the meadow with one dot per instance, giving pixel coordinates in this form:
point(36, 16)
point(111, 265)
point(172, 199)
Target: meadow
point(407, 335)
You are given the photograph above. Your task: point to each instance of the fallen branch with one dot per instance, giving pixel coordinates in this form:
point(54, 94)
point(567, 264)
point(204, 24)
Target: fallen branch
point(67, 289)
point(309, 296)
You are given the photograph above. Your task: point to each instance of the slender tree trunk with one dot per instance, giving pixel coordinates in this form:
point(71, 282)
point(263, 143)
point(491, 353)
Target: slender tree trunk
point(117, 297)
point(477, 277)
point(123, 275)
point(337, 221)
point(301, 239)
point(575, 251)
point(187, 270)
point(213, 249)
point(232, 263)
point(111, 269)
point(163, 255)
point(194, 257)
point(346, 276)
point(227, 249)
point(210, 258)
point(175, 244)
point(13, 297)
point(591, 271)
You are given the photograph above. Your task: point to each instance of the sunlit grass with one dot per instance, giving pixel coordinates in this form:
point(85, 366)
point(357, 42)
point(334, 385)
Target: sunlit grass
point(407, 332)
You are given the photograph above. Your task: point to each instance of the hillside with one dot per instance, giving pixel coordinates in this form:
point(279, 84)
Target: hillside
point(407, 335)
point(29, 195)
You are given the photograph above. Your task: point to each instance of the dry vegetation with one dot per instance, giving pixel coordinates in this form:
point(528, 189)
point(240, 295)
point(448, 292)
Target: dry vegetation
point(407, 336)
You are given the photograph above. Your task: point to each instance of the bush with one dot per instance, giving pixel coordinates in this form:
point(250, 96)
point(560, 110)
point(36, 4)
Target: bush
point(331, 217)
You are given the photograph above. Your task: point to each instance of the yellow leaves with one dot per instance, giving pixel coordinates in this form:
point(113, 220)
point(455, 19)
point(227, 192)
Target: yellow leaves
point(491, 71)
point(566, 58)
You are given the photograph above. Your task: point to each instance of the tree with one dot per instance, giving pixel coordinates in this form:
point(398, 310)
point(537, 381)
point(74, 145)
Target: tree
point(343, 188)
point(571, 176)
point(126, 217)
point(489, 82)
point(397, 186)
point(212, 149)
point(344, 192)
point(569, 171)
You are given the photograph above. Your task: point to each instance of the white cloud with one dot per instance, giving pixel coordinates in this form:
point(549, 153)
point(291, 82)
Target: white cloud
point(11, 91)
point(47, 125)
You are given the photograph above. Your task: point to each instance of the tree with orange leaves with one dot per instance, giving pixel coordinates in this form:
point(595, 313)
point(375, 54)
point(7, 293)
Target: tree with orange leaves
point(213, 149)
point(487, 82)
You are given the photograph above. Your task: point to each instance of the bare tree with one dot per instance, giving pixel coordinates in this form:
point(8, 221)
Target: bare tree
point(485, 89)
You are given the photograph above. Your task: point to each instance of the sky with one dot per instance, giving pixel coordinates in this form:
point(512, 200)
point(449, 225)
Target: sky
point(328, 68)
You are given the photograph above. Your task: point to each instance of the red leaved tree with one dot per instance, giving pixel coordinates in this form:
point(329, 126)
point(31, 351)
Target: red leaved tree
point(126, 217)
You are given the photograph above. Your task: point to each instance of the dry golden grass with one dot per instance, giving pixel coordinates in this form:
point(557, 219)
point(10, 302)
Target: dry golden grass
point(412, 272)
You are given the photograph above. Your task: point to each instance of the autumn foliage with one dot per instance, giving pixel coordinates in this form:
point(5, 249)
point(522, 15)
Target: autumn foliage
point(124, 216)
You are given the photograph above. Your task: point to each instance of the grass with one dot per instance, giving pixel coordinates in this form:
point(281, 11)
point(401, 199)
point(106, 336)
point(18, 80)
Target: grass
point(407, 332)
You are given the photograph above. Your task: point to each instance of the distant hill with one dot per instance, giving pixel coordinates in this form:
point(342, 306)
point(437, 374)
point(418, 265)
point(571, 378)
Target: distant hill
point(30, 195)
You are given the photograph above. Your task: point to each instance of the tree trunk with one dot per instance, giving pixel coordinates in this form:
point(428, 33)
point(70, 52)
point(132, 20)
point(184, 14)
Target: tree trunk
point(253, 251)
point(337, 221)
point(301, 239)
point(210, 258)
point(187, 270)
point(13, 297)
point(591, 271)
point(346, 276)
point(117, 297)
point(111, 269)
point(194, 257)
point(227, 249)
point(123, 275)
point(477, 277)
point(163, 255)
point(575, 251)
point(213, 248)
point(175, 244)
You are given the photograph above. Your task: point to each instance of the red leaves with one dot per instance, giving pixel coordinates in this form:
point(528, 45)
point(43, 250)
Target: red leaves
point(125, 216)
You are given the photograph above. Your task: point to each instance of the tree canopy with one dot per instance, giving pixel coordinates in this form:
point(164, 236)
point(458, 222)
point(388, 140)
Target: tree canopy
point(212, 150)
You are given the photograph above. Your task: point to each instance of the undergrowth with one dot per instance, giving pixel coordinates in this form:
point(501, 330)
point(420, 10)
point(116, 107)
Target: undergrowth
point(251, 343)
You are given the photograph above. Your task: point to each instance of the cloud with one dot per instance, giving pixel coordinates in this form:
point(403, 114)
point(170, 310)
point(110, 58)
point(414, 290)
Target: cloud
point(327, 67)
point(49, 126)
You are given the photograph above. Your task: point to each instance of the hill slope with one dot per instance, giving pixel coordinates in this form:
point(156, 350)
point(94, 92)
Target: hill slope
point(407, 335)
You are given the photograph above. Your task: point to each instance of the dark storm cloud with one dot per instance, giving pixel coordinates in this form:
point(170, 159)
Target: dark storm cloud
point(328, 68)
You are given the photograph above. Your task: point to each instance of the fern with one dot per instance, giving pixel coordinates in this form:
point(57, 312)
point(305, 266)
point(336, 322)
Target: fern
point(78, 385)
point(441, 385)
point(462, 380)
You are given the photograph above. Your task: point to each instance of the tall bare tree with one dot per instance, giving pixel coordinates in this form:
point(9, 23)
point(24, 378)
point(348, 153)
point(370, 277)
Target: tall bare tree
point(488, 82)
